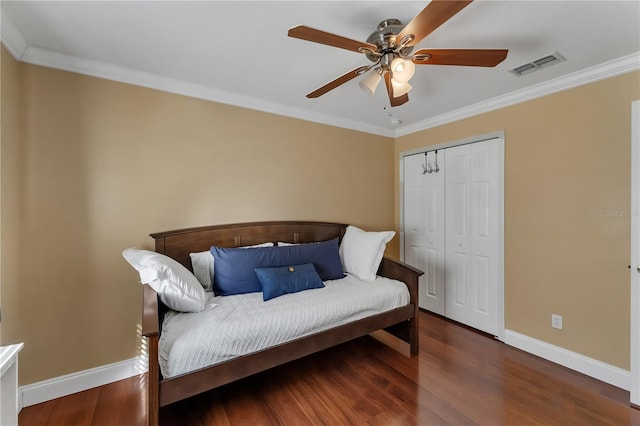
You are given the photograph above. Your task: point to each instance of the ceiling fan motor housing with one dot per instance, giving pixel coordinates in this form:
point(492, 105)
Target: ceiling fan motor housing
point(385, 38)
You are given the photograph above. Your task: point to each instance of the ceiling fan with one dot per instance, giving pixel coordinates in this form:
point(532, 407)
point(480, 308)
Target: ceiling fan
point(390, 49)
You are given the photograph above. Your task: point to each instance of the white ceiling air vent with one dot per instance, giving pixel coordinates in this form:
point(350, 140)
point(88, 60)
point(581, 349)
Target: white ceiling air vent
point(545, 61)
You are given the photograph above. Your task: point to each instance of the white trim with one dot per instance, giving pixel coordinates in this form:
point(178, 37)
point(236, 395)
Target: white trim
point(499, 135)
point(48, 58)
point(591, 367)
point(81, 380)
point(99, 376)
point(450, 144)
point(401, 206)
point(11, 37)
point(635, 253)
point(19, 48)
point(501, 261)
point(589, 75)
point(21, 51)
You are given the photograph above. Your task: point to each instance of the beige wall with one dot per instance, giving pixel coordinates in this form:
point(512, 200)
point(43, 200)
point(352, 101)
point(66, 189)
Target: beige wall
point(105, 164)
point(10, 169)
point(567, 202)
point(91, 166)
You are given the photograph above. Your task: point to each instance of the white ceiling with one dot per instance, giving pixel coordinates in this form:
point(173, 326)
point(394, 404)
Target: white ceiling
point(238, 52)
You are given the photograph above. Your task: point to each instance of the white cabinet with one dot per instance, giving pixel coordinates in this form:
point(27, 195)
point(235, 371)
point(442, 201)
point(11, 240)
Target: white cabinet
point(9, 384)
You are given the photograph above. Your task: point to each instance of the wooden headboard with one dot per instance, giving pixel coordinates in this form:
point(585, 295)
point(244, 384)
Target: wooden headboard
point(179, 243)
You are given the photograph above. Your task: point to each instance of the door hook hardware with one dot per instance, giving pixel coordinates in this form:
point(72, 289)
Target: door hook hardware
point(426, 167)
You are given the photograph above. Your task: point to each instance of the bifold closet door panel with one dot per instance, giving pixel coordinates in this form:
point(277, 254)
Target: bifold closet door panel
point(473, 216)
point(424, 228)
point(457, 233)
point(485, 220)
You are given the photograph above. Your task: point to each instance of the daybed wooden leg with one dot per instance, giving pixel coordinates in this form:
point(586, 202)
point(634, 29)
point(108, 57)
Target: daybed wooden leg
point(413, 336)
point(153, 383)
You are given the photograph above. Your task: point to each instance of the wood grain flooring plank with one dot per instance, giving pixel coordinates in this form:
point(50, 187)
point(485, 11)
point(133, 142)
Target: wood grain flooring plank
point(461, 377)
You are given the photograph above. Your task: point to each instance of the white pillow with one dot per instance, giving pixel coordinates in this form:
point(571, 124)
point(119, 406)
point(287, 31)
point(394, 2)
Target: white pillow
point(178, 288)
point(361, 252)
point(202, 265)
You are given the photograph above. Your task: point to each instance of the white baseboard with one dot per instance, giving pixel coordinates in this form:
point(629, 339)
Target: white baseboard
point(591, 367)
point(87, 379)
point(76, 382)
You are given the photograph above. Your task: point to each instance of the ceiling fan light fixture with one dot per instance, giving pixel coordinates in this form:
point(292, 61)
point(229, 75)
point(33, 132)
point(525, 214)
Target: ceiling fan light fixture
point(390, 49)
point(400, 87)
point(402, 70)
point(370, 82)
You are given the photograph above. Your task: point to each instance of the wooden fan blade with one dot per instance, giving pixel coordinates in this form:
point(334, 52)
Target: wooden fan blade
point(431, 17)
point(337, 82)
point(317, 36)
point(393, 100)
point(468, 57)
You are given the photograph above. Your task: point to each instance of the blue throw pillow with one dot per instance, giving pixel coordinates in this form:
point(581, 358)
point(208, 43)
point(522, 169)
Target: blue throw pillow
point(287, 279)
point(324, 255)
point(235, 267)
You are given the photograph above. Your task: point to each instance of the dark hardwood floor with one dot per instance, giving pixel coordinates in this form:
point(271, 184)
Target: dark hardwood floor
point(461, 377)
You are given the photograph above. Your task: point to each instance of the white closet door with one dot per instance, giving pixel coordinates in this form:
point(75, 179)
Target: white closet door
point(473, 209)
point(424, 229)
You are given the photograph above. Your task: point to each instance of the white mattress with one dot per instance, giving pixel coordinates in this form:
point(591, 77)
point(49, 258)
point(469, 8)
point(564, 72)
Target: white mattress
point(243, 324)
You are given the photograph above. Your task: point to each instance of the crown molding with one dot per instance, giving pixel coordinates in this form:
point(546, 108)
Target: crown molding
point(11, 37)
point(605, 70)
point(48, 58)
point(51, 59)
point(21, 51)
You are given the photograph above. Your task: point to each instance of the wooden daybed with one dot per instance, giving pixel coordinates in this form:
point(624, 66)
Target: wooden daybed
point(401, 322)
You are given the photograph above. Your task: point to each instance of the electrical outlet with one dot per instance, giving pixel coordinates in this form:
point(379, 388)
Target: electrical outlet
point(556, 321)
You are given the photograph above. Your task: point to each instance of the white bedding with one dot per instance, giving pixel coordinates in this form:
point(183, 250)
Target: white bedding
point(243, 324)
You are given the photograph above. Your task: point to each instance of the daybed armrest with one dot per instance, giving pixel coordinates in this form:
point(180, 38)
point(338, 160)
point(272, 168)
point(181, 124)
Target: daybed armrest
point(409, 275)
point(400, 271)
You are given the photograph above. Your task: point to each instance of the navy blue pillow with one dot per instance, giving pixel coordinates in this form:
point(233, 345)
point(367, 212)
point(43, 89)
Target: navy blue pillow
point(234, 267)
point(287, 279)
